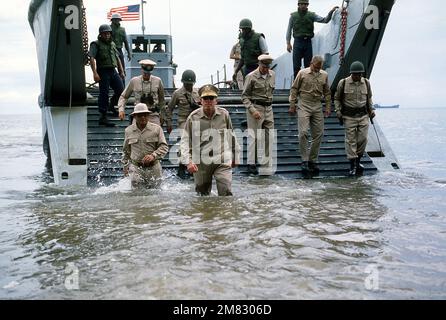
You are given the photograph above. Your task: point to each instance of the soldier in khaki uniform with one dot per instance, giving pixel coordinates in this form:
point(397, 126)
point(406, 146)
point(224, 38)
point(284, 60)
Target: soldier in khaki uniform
point(353, 104)
point(147, 89)
point(310, 85)
point(236, 55)
point(144, 147)
point(209, 146)
point(187, 99)
point(257, 97)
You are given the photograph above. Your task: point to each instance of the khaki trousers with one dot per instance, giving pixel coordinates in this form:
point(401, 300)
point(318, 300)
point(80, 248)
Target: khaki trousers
point(259, 135)
point(356, 131)
point(145, 177)
point(223, 178)
point(312, 121)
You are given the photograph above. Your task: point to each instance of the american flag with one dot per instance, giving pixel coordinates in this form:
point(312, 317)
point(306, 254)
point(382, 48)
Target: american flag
point(128, 13)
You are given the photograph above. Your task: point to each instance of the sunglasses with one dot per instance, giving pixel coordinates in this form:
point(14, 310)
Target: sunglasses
point(208, 98)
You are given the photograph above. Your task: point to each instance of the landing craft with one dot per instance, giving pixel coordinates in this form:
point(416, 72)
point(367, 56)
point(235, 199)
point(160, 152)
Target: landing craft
point(80, 152)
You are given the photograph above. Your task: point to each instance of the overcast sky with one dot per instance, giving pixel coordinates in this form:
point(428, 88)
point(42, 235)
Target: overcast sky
point(409, 69)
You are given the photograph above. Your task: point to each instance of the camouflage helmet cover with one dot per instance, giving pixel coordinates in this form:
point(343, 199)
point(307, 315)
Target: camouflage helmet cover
point(105, 28)
point(245, 23)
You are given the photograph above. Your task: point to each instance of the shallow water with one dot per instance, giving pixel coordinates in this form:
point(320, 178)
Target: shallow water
point(376, 237)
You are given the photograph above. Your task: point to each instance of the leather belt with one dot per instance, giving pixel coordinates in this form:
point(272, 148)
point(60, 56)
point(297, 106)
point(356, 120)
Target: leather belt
point(262, 103)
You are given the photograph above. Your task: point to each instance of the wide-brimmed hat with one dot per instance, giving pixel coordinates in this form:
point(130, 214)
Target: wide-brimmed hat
point(140, 108)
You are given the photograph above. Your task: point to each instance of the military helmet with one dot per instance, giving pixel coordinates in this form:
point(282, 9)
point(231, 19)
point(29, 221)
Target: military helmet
point(303, 2)
point(357, 67)
point(105, 28)
point(116, 16)
point(245, 23)
point(188, 77)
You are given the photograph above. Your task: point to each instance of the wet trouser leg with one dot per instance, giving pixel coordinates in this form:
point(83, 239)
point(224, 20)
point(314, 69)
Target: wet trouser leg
point(121, 58)
point(223, 177)
point(203, 179)
point(303, 125)
point(117, 86)
point(148, 177)
point(356, 131)
point(317, 132)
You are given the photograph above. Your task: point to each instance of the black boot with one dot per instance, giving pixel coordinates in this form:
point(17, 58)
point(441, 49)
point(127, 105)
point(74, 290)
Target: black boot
point(103, 121)
point(359, 166)
point(182, 171)
point(313, 167)
point(252, 169)
point(352, 171)
point(113, 111)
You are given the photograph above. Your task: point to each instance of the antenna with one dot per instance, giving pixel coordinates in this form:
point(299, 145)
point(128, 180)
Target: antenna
point(142, 16)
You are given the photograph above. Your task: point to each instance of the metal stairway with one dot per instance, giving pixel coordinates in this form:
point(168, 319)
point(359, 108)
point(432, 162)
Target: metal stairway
point(105, 144)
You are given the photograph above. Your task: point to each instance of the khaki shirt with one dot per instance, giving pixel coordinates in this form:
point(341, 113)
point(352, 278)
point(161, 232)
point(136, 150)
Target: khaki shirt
point(138, 144)
point(258, 88)
point(181, 98)
point(309, 88)
point(236, 54)
point(198, 137)
point(138, 87)
point(355, 94)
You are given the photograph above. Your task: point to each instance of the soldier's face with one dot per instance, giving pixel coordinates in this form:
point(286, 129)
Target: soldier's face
point(141, 119)
point(316, 67)
point(188, 86)
point(209, 104)
point(263, 69)
point(106, 36)
point(245, 31)
point(303, 7)
point(356, 77)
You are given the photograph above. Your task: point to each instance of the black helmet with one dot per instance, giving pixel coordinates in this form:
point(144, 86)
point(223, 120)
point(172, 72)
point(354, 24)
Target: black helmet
point(105, 28)
point(245, 23)
point(188, 77)
point(357, 67)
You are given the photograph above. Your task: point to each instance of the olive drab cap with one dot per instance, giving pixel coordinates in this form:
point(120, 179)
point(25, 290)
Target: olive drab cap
point(105, 28)
point(208, 90)
point(357, 67)
point(188, 77)
point(147, 65)
point(265, 59)
point(303, 2)
point(140, 108)
point(245, 23)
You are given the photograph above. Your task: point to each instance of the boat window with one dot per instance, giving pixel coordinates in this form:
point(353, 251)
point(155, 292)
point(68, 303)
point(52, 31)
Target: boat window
point(158, 46)
point(139, 44)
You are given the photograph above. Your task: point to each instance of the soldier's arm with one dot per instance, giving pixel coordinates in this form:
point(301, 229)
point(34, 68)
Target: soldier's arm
point(163, 147)
point(246, 95)
point(92, 54)
point(326, 19)
point(289, 30)
point(294, 91)
point(186, 143)
point(124, 96)
point(327, 94)
point(337, 98)
point(126, 154)
point(262, 44)
point(127, 47)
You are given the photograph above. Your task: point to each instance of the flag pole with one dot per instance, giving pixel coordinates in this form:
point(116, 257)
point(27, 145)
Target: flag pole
point(142, 16)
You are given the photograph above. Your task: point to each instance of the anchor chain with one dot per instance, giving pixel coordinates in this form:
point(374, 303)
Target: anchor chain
point(344, 15)
point(85, 36)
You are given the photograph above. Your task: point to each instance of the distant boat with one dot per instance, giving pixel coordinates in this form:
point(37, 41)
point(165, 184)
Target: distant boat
point(387, 107)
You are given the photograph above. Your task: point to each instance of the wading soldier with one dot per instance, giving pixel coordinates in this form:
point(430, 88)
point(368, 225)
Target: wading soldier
point(301, 24)
point(310, 85)
point(104, 59)
point(353, 103)
point(257, 97)
point(144, 147)
point(252, 45)
point(209, 146)
point(187, 99)
point(147, 89)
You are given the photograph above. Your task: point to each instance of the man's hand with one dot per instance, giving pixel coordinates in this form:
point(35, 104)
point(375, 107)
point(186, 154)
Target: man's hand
point(257, 115)
point(292, 110)
point(192, 168)
point(96, 77)
point(121, 115)
point(148, 160)
point(327, 112)
point(129, 56)
point(122, 74)
point(334, 9)
point(289, 47)
point(234, 77)
point(372, 114)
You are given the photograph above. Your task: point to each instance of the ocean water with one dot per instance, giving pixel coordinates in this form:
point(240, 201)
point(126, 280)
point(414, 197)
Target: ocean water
point(376, 237)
